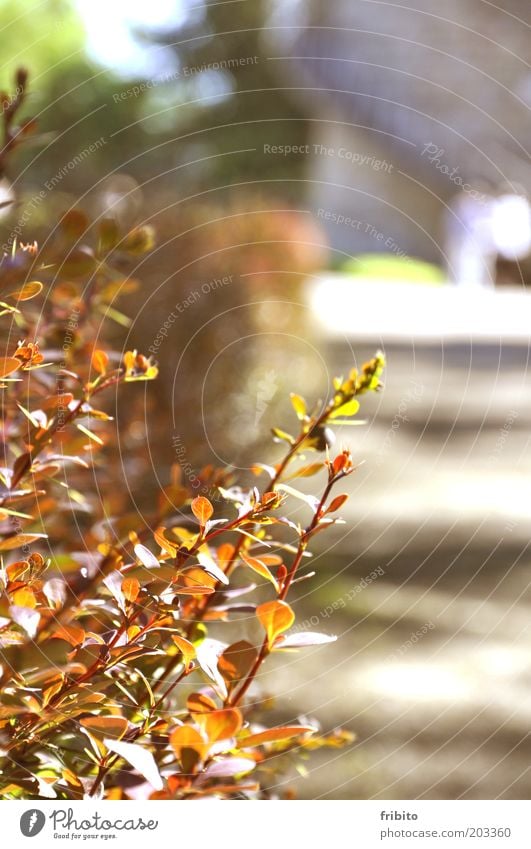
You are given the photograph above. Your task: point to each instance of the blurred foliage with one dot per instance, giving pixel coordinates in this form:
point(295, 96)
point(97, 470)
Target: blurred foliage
point(388, 267)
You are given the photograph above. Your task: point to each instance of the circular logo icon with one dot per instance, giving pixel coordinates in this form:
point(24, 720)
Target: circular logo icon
point(32, 822)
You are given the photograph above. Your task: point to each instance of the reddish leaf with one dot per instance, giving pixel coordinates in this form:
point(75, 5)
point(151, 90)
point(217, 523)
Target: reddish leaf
point(336, 503)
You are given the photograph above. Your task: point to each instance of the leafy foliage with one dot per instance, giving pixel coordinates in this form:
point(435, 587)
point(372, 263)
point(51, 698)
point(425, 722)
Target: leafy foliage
point(114, 682)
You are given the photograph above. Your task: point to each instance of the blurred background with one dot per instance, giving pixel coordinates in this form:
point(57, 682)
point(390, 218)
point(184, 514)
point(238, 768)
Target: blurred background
point(326, 180)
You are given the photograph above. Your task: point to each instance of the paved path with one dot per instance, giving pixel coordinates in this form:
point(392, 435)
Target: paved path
point(441, 508)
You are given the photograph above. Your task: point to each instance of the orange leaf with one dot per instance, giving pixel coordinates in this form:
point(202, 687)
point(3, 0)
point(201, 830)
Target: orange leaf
point(52, 690)
point(130, 588)
point(100, 361)
point(220, 724)
point(198, 590)
point(202, 509)
point(186, 648)
point(165, 544)
point(199, 703)
point(24, 598)
point(27, 291)
point(336, 503)
point(189, 746)
point(19, 540)
point(276, 617)
point(236, 662)
point(273, 735)
point(72, 634)
point(8, 365)
point(111, 726)
point(260, 567)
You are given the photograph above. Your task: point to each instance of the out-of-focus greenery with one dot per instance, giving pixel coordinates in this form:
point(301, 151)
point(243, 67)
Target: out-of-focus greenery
point(388, 267)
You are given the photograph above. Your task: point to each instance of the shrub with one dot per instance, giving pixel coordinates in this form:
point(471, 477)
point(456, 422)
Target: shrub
point(112, 683)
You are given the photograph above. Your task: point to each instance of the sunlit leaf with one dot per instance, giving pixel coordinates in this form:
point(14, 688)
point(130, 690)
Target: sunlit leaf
point(208, 653)
point(236, 662)
point(28, 291)
point(8, 365)
point(90, 434)
point(130, 588)
point(310, 500)
point(140, 758)
point(146, 557)
point(72, 634)
point(165, 544)
point(19, 540)
point(220, 724)
point(274, 735)
point(113, 582)
point(202, 509)
point(228, 766)
point(100, 361)
point(189, 746)
point(186, 648)
point(350, 408)
point(26, 618)
point(24, 598)
point(276, 617)
point(336, 503)
point(211, 567)
point(299, 405)
point(110, 726)
point(260, 568)
point(303, 639)
point(200, 703)
point(282, 436)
